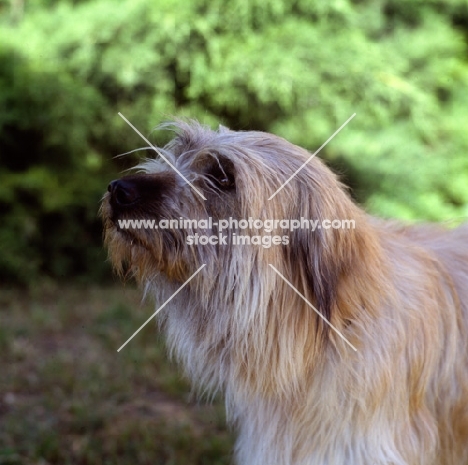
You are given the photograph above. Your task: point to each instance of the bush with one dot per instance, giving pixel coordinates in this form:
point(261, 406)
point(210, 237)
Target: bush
point(298, 69)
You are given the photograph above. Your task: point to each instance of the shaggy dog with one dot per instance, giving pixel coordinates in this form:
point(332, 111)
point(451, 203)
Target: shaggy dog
point(331, 347)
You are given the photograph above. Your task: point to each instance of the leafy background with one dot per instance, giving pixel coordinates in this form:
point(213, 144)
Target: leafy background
point(295, 68)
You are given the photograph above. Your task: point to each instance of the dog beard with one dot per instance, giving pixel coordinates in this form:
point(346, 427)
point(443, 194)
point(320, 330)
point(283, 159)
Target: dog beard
point(354, 351)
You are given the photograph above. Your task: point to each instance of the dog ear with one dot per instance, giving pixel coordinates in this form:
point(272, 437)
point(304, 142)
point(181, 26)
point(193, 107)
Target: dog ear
point(322, 271)
point(319, 270)
point(327, 257)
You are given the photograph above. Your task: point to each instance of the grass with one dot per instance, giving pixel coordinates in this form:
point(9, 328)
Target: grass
point(68, 397)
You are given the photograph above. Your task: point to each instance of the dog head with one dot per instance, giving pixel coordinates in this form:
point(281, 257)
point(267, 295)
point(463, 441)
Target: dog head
point(226, 174)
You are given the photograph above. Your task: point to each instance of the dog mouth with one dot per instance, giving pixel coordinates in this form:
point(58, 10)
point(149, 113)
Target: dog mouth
point(131, 237)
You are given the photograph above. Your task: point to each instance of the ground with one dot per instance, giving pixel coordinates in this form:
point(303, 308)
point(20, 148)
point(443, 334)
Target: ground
point(68, 397)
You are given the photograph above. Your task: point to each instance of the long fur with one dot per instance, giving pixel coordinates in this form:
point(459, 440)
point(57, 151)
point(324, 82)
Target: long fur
point(297, 394)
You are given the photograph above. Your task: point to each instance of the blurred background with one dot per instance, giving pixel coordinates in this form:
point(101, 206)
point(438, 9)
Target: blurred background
point(298, 69)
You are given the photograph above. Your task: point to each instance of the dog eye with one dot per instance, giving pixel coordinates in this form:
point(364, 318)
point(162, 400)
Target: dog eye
point(222, 175)
point(226, 182)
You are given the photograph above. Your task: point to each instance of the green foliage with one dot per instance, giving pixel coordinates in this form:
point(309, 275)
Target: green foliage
point(47, 169)
point(298, 69)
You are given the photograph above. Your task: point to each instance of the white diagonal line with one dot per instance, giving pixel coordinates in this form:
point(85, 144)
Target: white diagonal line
point(313, 155)
point(162, 156)
point(160, 308)
point(310, 305)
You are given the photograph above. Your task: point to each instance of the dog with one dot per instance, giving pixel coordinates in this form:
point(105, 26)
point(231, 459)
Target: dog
point(339, 346)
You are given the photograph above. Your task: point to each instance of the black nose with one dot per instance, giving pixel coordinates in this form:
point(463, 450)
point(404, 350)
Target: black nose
point(123, 192)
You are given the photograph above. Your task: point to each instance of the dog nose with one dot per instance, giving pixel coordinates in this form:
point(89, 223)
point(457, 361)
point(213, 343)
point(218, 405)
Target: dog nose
point(123, 192)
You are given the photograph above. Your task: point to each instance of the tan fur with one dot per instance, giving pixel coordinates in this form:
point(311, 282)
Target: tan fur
point(296, 392)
